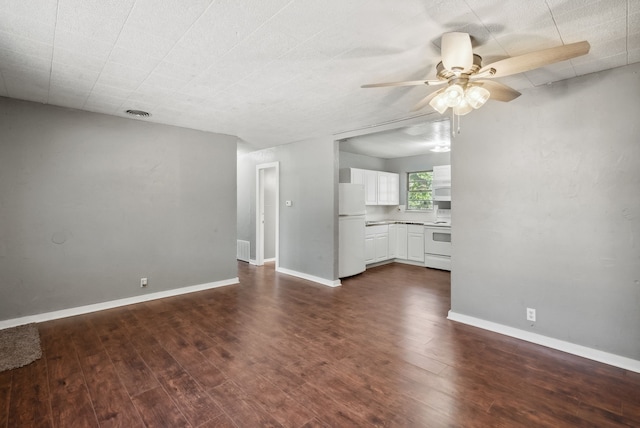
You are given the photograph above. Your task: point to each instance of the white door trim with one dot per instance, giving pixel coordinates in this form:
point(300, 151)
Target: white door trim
point(260, 210)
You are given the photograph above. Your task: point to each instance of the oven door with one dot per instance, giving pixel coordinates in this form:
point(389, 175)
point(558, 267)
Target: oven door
point(437, 240)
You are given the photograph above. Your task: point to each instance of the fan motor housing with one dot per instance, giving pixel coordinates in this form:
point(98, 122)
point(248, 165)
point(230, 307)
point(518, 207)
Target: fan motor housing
point(445, 74)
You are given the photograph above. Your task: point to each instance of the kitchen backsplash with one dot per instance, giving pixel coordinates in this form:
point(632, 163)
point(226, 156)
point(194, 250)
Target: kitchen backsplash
point(381, 212)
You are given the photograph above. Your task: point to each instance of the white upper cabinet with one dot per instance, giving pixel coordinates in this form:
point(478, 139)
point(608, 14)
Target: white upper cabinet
point(442, 176)
point(357, 176)
point(384, 188)
point(388, 188)
point(441, 183)
point(370, 187)
point(380, 188)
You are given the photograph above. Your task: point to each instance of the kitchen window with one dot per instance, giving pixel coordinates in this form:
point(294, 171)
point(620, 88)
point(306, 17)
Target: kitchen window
point(419, 191)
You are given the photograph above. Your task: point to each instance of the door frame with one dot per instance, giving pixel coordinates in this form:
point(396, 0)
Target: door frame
point(260, 211)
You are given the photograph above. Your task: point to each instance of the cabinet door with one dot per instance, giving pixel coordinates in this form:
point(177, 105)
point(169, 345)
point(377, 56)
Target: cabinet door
point(382, 247)
point(441, 176)
point(394, 189)
point(383, 188)
point(393, 240)
point(415, 247)
point(369, 249)
point(388, 188)
point(357, 176)
point(401, 247)
point(370, 187)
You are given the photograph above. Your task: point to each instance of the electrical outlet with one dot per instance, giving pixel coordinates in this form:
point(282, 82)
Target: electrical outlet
point(143, 282)
point(531, 314)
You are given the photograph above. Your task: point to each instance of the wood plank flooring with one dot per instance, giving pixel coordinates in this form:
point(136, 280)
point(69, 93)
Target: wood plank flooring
point(280, 351)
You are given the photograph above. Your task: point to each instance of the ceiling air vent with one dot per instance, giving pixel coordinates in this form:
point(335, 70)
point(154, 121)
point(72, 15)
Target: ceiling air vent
point(138, 113)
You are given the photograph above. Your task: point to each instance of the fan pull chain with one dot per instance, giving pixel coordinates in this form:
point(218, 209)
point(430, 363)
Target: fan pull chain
point(454, 130)
point(453, 124)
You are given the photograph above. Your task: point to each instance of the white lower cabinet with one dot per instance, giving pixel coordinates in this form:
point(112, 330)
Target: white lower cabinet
point(376, 243)
point(415, 243)
point(393, 241)
point(382, 247)
point(401, 241)
point(369, 249)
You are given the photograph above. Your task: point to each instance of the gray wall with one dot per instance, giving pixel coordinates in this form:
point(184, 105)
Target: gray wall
point(308, 229)
point(354, 160)
point(547, 212)
point(91, 203)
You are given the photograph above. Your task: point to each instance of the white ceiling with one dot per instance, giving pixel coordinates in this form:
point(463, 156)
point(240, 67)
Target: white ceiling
point(277, 71)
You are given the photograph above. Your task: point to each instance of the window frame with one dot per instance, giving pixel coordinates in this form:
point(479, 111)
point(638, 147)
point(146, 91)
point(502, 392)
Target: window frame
point(430, 190)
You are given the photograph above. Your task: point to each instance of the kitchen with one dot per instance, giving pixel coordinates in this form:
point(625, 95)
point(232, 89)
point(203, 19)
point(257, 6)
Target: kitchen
point(395, 198)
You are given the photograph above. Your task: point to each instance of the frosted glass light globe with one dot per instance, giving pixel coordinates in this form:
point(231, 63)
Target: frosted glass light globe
point(453, 94)
point(462, 108)
point(439, 103)
point(476, 96)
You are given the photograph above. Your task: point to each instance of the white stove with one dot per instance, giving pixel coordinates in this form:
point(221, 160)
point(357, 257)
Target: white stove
point(438, 223)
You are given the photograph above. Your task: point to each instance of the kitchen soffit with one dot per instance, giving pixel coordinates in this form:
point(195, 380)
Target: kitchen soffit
point(277, 71)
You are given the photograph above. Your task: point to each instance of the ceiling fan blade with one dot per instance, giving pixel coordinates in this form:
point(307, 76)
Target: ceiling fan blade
point(499, 92)
point(533, 60)
point(456, 50)
point(426, 100)
point(406, 83)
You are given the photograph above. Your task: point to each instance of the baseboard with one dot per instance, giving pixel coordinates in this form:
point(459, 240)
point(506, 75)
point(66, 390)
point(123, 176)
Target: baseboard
point(64, 313)
point(272, 259)
point(382, 263)
point(549, 342)
point(308, 277)
point(253, 262)
point(408, 262)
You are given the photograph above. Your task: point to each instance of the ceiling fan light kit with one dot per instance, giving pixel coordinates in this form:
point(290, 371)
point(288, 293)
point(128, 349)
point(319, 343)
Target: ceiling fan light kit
point(462, 101)
point(469, 84)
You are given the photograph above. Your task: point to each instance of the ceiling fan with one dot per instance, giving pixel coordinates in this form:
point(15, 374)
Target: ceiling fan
point(468, 84)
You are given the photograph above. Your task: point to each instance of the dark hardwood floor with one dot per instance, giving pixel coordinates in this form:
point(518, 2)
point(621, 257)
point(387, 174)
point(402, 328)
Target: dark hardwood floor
point(279, 351)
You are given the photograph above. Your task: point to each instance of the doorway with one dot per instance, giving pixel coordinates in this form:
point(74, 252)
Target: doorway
point(267, 212)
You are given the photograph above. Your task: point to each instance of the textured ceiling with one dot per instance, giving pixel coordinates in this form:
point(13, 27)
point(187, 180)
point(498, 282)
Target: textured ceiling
point(277, 71)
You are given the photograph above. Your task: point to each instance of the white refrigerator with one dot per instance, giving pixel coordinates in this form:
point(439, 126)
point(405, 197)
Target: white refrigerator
point(351, 210)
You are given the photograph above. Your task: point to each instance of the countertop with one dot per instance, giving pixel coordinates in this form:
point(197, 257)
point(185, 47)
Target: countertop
point(439, 223)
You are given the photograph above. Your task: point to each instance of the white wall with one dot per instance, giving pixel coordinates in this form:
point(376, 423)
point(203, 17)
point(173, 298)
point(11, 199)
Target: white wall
point(546, 213)
point(91, 203)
